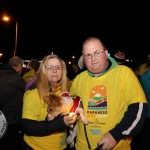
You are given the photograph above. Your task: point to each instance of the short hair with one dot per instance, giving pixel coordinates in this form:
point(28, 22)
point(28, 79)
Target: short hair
point(43, 86)
point(93, 38)
point(15, 61)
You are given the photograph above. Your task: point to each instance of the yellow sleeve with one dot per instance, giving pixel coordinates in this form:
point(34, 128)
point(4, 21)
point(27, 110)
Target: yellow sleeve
point(31, 105)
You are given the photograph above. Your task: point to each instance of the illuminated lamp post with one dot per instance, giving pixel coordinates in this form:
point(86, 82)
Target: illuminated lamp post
point(16, 38)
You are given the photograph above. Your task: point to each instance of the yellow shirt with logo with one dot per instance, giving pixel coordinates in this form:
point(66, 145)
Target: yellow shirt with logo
point(29, 75)
point(34, 108)
point(105, 100)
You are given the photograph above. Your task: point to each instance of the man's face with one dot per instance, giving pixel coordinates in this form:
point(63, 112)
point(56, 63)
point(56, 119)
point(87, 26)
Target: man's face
point(95, 57)
point(19, 68)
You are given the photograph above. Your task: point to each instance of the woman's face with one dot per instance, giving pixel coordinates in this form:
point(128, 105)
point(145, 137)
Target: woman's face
point(53, 70)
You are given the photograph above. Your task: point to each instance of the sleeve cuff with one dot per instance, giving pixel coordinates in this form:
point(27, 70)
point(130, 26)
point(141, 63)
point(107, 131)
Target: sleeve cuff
point(116, 133)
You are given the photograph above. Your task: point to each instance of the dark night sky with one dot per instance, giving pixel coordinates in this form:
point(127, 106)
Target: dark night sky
point(45, 27)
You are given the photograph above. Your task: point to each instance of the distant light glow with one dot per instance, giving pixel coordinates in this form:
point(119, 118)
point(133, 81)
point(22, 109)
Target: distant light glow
point(24, 65)
point(6, 18)
point(1, 55)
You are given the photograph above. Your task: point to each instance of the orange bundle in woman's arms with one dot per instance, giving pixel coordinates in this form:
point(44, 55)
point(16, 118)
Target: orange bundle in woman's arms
point(65, 105)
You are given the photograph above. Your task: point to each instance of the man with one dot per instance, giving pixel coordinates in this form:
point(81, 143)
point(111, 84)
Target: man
point(12, 87)
point(113, 100)
point(17, 63)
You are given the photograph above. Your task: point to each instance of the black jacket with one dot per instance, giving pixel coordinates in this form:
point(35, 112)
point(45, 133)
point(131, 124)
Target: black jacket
point(12, 88)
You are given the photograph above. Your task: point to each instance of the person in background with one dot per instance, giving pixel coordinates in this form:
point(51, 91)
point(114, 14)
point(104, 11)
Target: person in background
point(33, 67)
point(39, 134)
point(17, 63)
point(143, 67)
point(145, 82)
point(31, 83)
point(81, 63)
point(135, 67)
point(112, 98)
point(12, 87)
point(120, 58)
point(76, 69)
point(34, 63)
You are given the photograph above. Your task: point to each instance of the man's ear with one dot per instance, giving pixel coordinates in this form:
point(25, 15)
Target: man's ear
point(106, 52)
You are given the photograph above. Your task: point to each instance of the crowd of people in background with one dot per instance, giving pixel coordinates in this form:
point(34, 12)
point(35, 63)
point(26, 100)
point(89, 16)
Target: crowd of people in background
point(12, 88)
point(22, 92)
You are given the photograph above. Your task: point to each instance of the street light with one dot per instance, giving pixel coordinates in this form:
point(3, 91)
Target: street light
point(1, 55)
point(73, 57)
point(16, 38)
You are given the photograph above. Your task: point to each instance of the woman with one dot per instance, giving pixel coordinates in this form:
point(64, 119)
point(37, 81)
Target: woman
point(40, 134)
point(32, 67)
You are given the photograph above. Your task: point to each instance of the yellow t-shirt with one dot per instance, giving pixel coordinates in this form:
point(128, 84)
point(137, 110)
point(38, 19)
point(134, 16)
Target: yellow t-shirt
point(34, 108)
point(105, 100)
point(29, 75)
point(69, 82)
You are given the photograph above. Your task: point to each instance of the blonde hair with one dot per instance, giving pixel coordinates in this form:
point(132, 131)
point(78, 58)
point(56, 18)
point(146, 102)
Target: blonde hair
point(43, 85)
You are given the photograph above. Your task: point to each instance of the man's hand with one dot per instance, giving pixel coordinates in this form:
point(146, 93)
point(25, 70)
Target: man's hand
point(108, 140)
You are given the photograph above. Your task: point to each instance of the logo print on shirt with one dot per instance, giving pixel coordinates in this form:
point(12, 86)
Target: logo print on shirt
point(98, 98)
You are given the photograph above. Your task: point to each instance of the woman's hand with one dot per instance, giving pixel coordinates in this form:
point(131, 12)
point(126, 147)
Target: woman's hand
point(70, 120)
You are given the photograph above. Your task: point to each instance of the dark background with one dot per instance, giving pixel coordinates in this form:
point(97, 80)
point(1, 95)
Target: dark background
point(61, 27)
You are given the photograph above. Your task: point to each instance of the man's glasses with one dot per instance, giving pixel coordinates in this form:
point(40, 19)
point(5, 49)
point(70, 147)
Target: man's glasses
point(96, 54)
point(50, 67)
